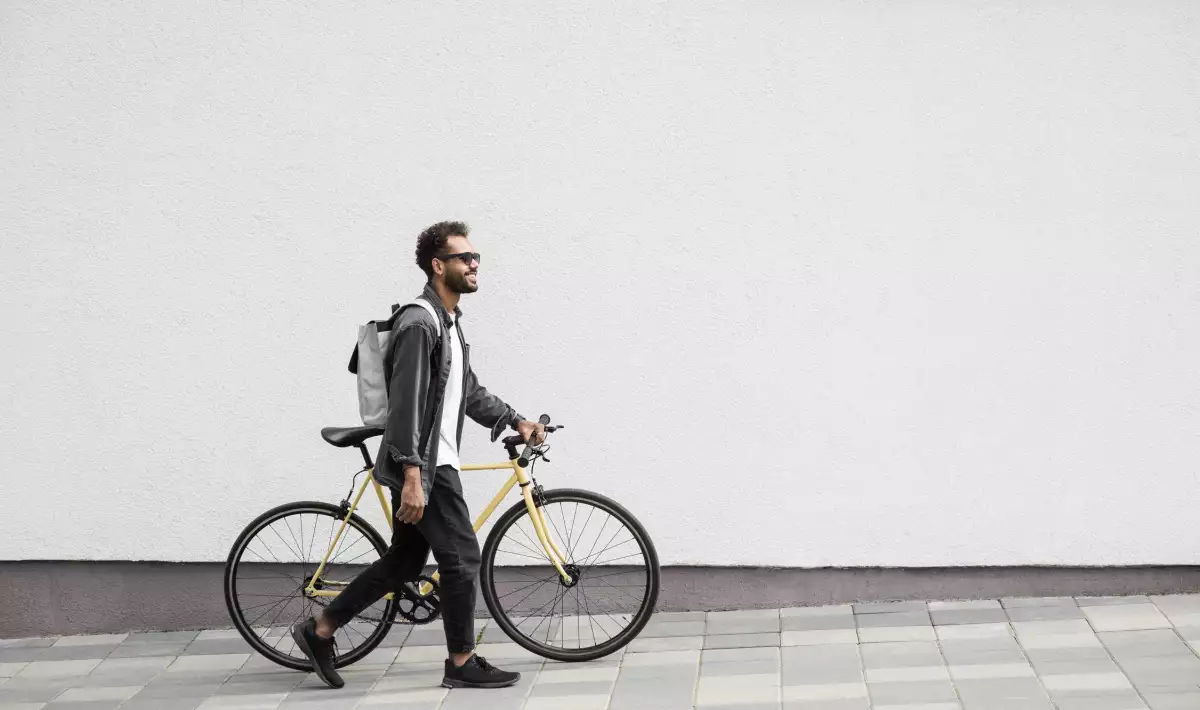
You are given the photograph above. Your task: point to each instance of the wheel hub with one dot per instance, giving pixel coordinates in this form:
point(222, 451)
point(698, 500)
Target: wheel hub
point(316, 585)
point(574, 572)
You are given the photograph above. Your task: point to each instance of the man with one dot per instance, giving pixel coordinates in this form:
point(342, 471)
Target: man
point(431, 387)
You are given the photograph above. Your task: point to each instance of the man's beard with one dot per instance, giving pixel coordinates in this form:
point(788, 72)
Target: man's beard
point(460, 284)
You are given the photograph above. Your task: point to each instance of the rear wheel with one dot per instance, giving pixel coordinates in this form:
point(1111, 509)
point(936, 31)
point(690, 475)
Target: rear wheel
point(614, 570)
point(271, 564)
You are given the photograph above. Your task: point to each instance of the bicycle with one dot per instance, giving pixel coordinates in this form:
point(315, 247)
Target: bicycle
point(559, 568)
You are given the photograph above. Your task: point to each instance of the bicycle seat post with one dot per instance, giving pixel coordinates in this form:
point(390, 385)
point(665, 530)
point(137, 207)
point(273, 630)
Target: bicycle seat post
point(366, 456)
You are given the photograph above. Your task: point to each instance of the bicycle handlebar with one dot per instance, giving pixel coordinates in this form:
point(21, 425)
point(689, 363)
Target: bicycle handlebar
point(512, 442)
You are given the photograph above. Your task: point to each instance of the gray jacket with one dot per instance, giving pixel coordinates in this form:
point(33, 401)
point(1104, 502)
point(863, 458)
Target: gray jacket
point(419, 366)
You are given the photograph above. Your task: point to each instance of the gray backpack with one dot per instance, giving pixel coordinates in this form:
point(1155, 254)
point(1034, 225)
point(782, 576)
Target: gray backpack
point(369, 359)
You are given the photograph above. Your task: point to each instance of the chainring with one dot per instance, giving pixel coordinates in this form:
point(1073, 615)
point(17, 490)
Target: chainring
point(417, 608)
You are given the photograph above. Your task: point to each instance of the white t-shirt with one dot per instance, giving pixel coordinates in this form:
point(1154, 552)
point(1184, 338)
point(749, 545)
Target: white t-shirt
point(452, 402)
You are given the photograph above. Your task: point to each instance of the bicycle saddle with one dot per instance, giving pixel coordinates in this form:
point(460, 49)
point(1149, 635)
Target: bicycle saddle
point(349, 436)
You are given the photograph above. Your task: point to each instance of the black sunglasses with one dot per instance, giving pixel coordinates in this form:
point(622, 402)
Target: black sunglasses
point(465, 257)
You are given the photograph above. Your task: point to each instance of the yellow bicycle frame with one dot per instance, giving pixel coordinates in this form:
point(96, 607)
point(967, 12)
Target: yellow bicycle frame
point(518, 478)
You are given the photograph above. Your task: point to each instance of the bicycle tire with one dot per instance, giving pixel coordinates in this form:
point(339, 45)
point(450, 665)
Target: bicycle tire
point(502, 618)
point(235, 608)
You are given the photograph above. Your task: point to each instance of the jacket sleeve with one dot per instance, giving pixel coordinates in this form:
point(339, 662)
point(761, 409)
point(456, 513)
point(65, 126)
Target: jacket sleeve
point(486, 408)
point(408, 390)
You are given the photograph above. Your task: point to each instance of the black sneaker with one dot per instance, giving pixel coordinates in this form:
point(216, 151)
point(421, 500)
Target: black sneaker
point(477, 673)
point(320, 652)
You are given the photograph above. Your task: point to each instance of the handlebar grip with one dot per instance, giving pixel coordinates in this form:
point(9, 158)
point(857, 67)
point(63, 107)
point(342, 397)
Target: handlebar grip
point(544, 419)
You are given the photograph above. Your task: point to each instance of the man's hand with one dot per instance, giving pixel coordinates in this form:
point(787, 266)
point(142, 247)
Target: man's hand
point(412, 497)
point(532, 432)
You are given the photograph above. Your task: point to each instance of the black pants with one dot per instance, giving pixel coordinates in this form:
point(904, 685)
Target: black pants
point(446, 529)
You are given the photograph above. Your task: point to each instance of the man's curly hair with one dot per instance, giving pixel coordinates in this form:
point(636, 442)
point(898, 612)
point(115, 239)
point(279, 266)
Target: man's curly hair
point(433, 242)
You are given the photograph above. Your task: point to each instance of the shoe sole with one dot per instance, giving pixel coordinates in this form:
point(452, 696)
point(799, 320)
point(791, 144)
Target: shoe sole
point(453, 683)
point(302, 644)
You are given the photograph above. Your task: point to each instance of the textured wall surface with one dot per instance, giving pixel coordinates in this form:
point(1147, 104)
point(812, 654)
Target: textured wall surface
point(900, 284)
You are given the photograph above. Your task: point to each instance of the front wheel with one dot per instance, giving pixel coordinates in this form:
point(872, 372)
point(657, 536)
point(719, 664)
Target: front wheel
point(612, 563)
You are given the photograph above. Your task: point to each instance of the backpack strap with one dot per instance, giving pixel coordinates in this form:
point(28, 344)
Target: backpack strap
point(437, 322)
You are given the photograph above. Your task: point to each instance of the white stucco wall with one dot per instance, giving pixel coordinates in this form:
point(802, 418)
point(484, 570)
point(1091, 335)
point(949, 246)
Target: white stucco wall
point(810, 283)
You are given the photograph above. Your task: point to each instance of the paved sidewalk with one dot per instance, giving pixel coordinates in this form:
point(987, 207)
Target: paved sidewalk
point(1014, 654)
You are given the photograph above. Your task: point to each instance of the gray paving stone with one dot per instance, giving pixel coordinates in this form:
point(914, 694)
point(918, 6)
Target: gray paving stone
point(180, 687)
point(1008, 704)
point(183, 637)
point(1024, 602)
point(822, 672)
point(755, 667)
point(18, 690)
point(543, 690)
point(31, 642)
point(742, 625)
point(911, 693)
point(326, 700)
point(667, 643)
point(818, 623)
point(901, 655)
point(680, 628)
point(147, 649)
point(637, 703)
point(666, 674)
point(735, 655)
point(57, 669)
point(1126, 700)
point(890, 607)
point(201, 647)
point(466, 700)
point(741, 640)
point(650, 696)
point(1153, 642)
point(975, 645)
point(839, 704)
point(964, 605)
point(259, 684)
point(75, 653)
point(1081, 667)
point(1044, 655)
point(160, 703)
point(675, 616)
point(801, 655)
point(1045, 613)
point(398, 634)
point(1079, 699)
point(673, 686)
point(820, 610)
point(889, 619)
point(968, 616)
point(1111, 601)
point(21, 654)
point(983, 658)
point(1173, 701)
point(980, 690)
point(116, 694)
point(1163, 673)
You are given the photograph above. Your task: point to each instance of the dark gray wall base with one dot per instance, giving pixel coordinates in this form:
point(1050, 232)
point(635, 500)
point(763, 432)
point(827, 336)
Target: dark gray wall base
point(40, 598)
